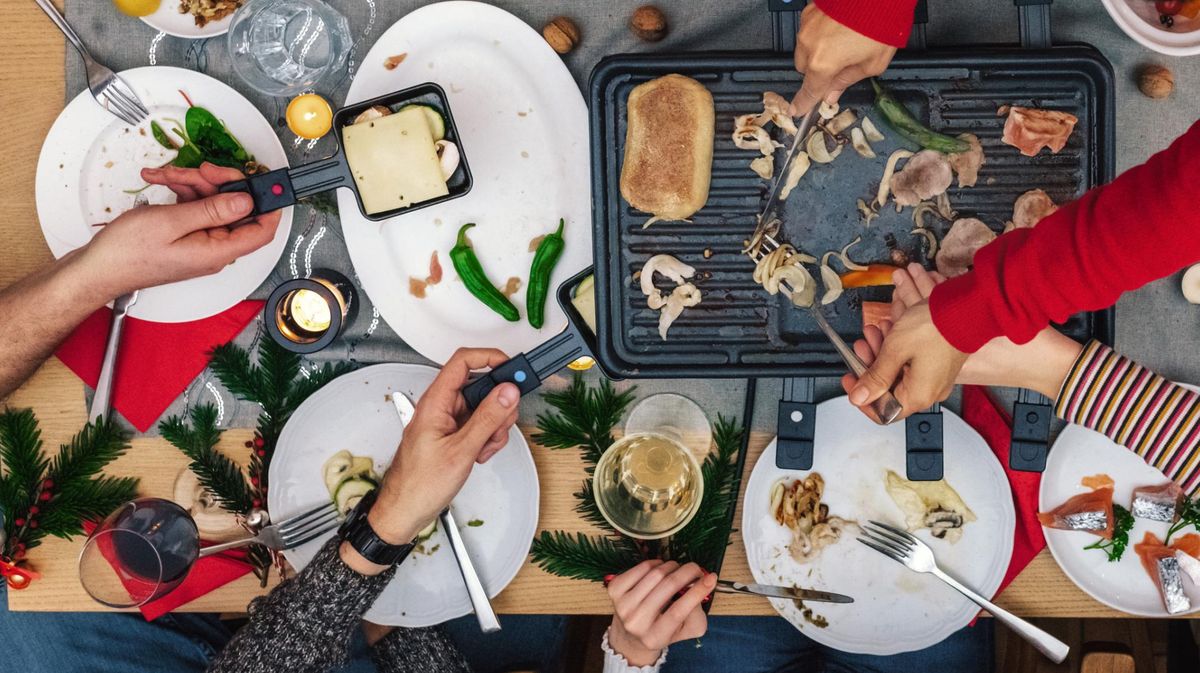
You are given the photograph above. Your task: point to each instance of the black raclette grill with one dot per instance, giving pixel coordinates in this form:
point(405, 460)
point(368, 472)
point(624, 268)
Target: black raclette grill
point(739, 330)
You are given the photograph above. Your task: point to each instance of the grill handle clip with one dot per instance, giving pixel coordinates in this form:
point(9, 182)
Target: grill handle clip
point(796, 425)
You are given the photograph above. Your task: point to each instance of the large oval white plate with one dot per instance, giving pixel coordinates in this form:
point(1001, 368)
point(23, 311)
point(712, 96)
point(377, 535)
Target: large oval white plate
point(90, 158)
point(355, 413)
point(524, 129)
point(895, 610)
point(170, 21)
point(1122, 585)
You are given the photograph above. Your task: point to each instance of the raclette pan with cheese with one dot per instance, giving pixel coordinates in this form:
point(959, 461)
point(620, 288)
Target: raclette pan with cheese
point(284, 187)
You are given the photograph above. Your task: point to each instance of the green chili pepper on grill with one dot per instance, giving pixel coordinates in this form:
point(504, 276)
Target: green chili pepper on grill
point(544, 261)
point(471, 271)
point(906, 125)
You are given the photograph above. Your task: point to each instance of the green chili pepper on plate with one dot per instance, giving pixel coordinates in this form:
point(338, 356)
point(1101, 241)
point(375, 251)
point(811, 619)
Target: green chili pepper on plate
point(462, 255)
point(544, 261)
point(899, 118)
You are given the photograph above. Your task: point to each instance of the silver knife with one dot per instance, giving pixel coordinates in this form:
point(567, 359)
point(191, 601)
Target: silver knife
point(789, 593)
point(102, 399)
point(774, 203)
point(488, 623)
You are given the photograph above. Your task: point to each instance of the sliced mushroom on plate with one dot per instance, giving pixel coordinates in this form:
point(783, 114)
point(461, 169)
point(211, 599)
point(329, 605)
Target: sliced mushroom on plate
point(926, 175)
point(959, 245)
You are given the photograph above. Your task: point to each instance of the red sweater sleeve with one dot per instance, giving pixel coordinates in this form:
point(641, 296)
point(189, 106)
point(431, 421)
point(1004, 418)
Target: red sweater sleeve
point(886, 21)
point(1117, 237)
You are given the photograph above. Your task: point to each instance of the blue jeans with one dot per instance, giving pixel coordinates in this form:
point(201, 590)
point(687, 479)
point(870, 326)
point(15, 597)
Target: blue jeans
point(525, 642)
point(110, 642)
point(773, 645)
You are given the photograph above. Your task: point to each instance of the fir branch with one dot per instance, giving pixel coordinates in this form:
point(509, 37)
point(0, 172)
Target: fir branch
point(232, 366)
point(20, 456)
point(277, 369)
point(87, 500)
point(90, 450)
point(587, 508)
point(705, 537)
point(586, 417)
point(219, 475)
point(581, 556)
point(316, 380)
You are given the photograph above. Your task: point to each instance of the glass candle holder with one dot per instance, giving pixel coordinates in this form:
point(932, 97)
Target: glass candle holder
point(305, 315)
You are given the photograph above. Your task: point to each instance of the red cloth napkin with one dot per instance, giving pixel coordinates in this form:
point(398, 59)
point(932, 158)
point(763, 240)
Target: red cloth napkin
point(981, 412)
point(157, 360)
point(209, 574)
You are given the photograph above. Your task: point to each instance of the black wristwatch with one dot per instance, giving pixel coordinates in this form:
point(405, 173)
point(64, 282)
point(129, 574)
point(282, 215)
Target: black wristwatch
point(358, 532)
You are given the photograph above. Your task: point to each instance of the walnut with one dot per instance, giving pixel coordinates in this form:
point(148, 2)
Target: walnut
point(649, 23)
point(1156, 81)
point(562, 34)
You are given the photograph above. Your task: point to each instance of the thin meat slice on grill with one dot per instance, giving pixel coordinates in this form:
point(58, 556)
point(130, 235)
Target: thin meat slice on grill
point(957, 251)
point(926, 175)
point(1030, 208)
point(966, 165)
point(1031, 129)
point(1157, 503)
point(1090, 512)
point(1162, 566)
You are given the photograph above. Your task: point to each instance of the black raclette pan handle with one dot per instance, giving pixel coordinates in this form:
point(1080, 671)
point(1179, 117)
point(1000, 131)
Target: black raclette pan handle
point(528, 370)
point(283, 187)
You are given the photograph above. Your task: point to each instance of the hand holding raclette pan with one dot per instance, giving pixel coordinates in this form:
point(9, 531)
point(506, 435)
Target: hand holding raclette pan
point(283, 187)
point(528, 370)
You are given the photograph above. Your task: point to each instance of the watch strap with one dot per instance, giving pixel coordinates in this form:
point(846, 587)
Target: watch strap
point(356, 530)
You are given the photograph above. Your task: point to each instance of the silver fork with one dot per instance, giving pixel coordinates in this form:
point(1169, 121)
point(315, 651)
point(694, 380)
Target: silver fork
point(109, 90)
point(887, 408)
point(914, 554)
point(293, 532)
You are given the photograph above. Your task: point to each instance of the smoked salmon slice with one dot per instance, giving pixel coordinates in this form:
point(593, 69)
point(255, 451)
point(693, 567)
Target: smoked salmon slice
point(1163, 568)
point(1091, 512)
point(1188, 544)
point(1157, 503)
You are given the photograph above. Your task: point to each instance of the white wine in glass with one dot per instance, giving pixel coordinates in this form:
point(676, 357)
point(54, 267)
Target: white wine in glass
point(648, 485)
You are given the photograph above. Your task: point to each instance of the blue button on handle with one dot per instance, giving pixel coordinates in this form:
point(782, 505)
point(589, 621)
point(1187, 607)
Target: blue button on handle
point(519, 376)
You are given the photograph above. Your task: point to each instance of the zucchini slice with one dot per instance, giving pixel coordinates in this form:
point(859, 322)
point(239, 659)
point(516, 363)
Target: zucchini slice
point(437, 123)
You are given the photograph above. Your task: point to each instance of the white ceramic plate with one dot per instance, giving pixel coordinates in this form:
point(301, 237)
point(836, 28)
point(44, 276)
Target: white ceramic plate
point(895, 610)
point(1139, 20)
point(90, 158)
point(1122, 585)
point(170, 21)
point(524, 129)
point(355, 413)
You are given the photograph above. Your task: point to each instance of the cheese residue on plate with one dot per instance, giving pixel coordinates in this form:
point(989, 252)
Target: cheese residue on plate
point(394, 161)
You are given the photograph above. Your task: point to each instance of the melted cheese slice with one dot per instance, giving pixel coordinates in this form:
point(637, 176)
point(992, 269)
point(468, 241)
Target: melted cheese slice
point(394, 161)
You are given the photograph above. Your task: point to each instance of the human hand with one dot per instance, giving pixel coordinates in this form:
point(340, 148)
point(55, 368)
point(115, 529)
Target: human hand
point(1041, 365)
point(645, 620)
point(440, 445)
point(833, 57)
point(155, 245)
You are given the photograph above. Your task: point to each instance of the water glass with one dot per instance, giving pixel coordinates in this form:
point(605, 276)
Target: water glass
point(285, 47)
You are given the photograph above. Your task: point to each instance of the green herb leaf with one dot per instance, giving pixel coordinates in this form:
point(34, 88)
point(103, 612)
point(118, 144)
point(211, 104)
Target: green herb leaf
point(1115, 548)
point(214, 140)
point(475, 523)
point(1189, 515)
point(161, 136)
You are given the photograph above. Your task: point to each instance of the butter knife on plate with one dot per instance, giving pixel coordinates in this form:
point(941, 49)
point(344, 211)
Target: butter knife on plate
point(488, 622)
point(788, 593)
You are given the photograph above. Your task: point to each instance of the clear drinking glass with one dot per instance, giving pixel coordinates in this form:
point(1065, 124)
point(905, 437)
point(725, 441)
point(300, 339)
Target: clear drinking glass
point(285, 47)
point(648, 485)
point(673, 415)
point(139, 553)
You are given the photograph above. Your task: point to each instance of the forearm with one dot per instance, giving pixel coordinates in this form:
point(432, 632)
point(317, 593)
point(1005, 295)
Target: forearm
point(1136, 408)
point(1115, 238)
point(418, 651)
point(305, 624)
point(40, 311)
point(888, 22)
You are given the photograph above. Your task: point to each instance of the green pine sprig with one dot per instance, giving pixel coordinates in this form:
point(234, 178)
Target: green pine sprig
point(54, 495)
point(585, 418)
point(581, 556)
point(216, 472)
point(704, 539)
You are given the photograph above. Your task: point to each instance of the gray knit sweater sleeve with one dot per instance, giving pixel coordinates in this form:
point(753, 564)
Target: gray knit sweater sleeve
point(305, 625)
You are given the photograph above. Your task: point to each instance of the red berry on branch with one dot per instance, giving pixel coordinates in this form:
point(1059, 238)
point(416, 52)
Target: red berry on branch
point(19, 554)
point(46, 495)
point(19, 522)
point(48, 484)
point(21, 546)
point(33, 509)
point(261, 453)
point(257, 502)
point(33, 523)
point(254, 480)
point(258, 442)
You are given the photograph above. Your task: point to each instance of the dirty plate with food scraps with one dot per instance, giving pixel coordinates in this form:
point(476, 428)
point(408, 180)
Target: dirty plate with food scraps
point(170, 20)
point(895, 610)
point(91, 163)
point(497, 509)
point(524, 129)
point(1122, 585)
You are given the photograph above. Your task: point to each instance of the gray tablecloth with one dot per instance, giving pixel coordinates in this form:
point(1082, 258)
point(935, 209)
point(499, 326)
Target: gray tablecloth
point(1154, 324)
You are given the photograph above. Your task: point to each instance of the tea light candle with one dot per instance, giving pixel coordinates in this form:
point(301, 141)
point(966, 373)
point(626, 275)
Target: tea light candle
point(306, 314)
point(309, 116)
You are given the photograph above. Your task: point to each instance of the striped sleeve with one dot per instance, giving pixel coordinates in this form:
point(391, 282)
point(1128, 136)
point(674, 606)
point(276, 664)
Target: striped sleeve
point(1157, 419)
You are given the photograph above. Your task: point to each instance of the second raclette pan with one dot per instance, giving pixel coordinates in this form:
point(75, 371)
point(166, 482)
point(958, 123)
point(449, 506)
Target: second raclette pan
point(283, 187)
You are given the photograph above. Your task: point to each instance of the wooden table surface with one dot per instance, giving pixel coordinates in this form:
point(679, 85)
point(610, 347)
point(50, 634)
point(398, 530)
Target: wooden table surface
point(32, 94)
